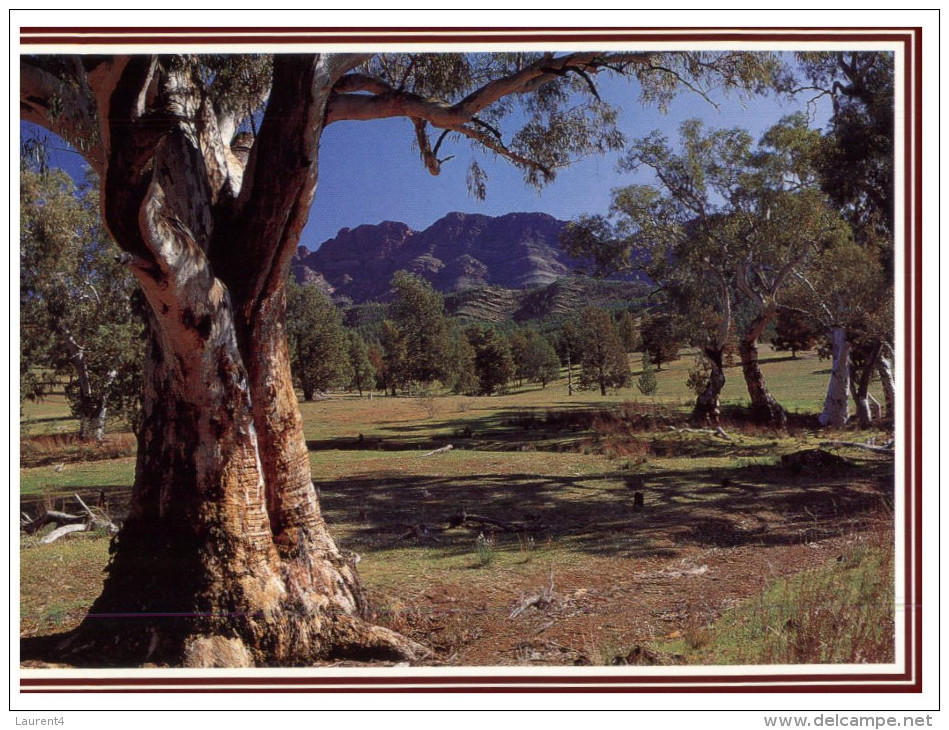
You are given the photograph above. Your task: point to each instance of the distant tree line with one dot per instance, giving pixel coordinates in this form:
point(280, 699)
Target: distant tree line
point(416, 346)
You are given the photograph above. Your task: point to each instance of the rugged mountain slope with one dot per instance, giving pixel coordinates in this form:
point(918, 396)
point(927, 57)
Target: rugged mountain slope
point(552, 301)
point(458, 252)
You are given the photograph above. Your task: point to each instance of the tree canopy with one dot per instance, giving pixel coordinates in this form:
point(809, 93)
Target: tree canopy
point(78, 318)
point(209, 165)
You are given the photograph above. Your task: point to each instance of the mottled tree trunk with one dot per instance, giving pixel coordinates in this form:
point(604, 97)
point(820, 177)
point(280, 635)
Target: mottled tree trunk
point(90, 407)
point(764, 408)
point(92, 414)
point(860, 385)
point(885, 370)
point(836, 411)
point(224, 559)
point(707, 407)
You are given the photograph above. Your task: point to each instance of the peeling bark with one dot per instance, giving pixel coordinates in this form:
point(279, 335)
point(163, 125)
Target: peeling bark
point(860, 386)
point(764, 407)
point(885, 370)
point(224, 559)
point(707, 407)
point(836, 411)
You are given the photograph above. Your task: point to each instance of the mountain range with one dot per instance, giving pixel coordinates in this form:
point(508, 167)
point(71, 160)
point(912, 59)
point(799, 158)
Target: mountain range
point(492, 265)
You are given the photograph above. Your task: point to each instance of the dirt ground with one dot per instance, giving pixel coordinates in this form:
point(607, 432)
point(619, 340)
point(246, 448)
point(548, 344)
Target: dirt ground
point(597, 579)
point(675, 566)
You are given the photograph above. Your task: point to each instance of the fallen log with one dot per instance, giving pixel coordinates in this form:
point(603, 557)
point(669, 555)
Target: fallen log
point(885, 449)
point(442, 450)
point(60, 532)
point(51, 517)
point(89, 521)
point(717, 431)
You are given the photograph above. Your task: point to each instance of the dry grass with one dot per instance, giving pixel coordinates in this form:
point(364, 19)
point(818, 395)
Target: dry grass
point(69, 448)
point(841, 612)
point(571, 465)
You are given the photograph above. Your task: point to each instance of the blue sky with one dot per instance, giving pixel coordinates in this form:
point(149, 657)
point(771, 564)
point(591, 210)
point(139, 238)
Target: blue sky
point(369, 171)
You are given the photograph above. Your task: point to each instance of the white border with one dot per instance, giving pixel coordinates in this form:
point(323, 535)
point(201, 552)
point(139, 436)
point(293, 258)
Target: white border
point(904, 21)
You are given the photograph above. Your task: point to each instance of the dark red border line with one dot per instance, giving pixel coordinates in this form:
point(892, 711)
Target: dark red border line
point(916, 189)
point(462, 679)
point(522, 33)
point(756, 689)
point(447, 30)
point(330, 36)
point(910, 680)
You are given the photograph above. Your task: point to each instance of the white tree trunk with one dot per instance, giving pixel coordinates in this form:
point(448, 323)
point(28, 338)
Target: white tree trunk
point(885, 370)
point(837, 403)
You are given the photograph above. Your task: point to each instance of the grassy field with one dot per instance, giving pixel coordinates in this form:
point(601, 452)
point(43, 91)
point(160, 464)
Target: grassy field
point(724, 531)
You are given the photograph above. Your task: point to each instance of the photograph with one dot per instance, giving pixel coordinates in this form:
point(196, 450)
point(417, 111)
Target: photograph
point(521, 358)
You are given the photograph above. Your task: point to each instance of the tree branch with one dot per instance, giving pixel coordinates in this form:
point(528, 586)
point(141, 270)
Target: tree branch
point(252, 252)
point(387, 102)
point(62, 108)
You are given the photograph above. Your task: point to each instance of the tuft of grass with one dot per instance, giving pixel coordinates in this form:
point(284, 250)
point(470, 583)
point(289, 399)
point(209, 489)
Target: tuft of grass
point(485, 550)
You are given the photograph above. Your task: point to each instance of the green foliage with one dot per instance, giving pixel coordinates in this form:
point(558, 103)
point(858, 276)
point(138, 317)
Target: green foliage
point(646, 382)
point(856, 158)
point(319, 351)
point(565, 118)
point(79, 316)
point(493, 362)
point(570, 341)
point(699, 373)
point(361, 369)
point(838, 613)
point(392, 369)
point(535, 358)
point(377, 360)
point(660, 340)
point(541, 362)
point(460, 374)
point(793, 332)
point(628, 330)
point(418, 311)
point(602, 357)
point(485, 550)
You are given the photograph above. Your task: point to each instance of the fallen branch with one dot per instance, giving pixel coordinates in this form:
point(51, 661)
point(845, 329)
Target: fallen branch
point(64, 530)
point(442, 450)
point(58, 518)
point(717, 431)
point(83, 505)
point(542, 600)
point(63, 520)
point(886, 449)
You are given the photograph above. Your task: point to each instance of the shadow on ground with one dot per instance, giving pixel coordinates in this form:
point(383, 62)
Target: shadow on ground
point(716, 507)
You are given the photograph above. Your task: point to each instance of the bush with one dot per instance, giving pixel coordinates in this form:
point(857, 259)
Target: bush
point(647, 383)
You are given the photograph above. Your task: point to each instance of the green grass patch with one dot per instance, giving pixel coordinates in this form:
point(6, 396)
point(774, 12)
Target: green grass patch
point(840, 613)
point(64, 479)
point(59, 582)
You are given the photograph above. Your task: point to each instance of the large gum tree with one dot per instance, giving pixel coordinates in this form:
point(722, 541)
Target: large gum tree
point(209, 167)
